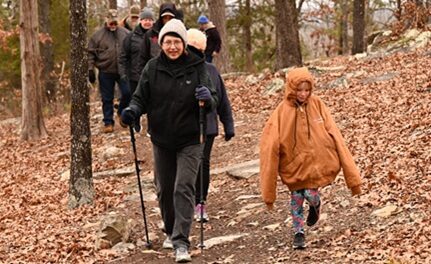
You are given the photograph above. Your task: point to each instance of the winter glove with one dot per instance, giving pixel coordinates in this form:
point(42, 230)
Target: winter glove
point(128, 116)
point(202, 93)
point(91, 76)
point(228, 136)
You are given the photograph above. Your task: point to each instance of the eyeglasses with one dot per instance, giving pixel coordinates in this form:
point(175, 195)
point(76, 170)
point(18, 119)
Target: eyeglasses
point(113, 23)
point(176, 43)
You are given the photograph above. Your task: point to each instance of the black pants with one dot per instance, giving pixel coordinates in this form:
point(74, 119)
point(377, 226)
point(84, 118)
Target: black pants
point(175, 172)
point(132, 86)
point(206, 172)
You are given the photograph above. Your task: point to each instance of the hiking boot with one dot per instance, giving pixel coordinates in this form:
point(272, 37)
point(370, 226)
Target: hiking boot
point(108, 128)
point(167, 244)
point(201, 212)
point(299, 241)
point(313, 215)
point(182, 255)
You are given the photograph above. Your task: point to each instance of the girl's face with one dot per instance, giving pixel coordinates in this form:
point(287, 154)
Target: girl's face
point(173, 47)
point(303, 91)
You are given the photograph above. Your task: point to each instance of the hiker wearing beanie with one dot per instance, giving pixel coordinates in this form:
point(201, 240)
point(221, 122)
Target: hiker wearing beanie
point(169, 91)
point(130, 66)
point(130, 21)
point(213, 37)
point(104, 48)
point(197, 42)
point(302, 144)
point(150, 47)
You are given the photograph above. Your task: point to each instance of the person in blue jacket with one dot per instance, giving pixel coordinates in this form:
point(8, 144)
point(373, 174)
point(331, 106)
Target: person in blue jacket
point(197, 43)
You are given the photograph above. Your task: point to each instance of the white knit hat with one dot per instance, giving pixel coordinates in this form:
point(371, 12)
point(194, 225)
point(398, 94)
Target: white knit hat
point(175, 26)
point(197, 39)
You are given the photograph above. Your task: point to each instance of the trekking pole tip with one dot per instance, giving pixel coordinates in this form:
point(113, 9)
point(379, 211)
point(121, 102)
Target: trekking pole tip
point(149, 245)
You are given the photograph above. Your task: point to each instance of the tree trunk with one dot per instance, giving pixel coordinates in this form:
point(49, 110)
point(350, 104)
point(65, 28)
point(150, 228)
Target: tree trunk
point(399, 10)
point(47, 52)
point(81, 190)
point(358, 26)
point(288, 50)
point(343, 27)
point(112, 4)
point(131, 2)
point(32, 124)
point(247, 37)
point(143, 3)
point(217, 13)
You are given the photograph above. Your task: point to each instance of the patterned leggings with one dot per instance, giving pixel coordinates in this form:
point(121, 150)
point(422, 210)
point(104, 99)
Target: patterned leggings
point(297, 209)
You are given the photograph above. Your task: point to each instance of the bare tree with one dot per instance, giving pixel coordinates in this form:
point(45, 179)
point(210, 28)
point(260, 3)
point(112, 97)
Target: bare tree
point(343, 36)
point(46, 49)
point(217, 13)
point(32, 124)
point(143, 3)
point(288, 50)
point(247, 36)
point(81, 190)
point(358, 26)
point(112, 4)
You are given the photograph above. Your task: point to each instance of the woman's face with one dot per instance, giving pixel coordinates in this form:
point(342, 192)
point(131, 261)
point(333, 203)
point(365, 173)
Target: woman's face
point(173, 47)
point(303, 91)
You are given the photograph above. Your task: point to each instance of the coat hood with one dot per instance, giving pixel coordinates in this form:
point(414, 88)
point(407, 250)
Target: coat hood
point(167, 7)
point(293, 79)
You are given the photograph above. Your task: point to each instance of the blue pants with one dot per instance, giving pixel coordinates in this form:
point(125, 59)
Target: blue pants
point(107, 85)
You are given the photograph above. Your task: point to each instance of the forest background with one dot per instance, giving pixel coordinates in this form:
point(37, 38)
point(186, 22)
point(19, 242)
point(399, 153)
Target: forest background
point(253, 36)
point(371, 63)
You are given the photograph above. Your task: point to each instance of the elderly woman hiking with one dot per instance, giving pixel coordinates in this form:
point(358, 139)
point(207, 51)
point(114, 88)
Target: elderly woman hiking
point(169, 91)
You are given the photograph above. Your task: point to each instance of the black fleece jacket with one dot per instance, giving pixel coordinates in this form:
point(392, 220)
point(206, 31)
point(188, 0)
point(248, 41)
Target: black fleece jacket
point(166, 93)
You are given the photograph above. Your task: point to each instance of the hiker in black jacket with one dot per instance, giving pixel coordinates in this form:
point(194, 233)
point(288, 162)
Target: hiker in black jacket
point(150, 47)
point(213, 38)
point(169, 91)
point(130, 67)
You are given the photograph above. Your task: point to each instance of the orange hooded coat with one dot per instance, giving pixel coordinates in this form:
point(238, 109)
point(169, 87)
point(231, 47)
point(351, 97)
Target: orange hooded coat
point(303, 145)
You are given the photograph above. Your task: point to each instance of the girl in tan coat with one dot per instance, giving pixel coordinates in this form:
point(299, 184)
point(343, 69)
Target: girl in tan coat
point(302, 144)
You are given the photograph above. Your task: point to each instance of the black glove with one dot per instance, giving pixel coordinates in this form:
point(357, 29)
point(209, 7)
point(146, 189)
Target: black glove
point(128, 116)
point(228, 136)
point(202, 93)
point(91, 76)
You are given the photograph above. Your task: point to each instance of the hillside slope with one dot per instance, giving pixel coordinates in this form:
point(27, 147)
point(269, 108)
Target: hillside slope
point(383, 108)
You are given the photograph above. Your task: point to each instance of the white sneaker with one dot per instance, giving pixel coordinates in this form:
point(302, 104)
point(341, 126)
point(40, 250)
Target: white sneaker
point(167, 244)
point(182, 255)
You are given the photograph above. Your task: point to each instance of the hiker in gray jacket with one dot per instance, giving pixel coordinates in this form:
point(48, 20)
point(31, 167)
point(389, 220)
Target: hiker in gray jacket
point(104, 49)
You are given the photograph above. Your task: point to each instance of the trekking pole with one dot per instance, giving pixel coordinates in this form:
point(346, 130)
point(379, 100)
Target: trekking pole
point(138, 170)
point(201, 170)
